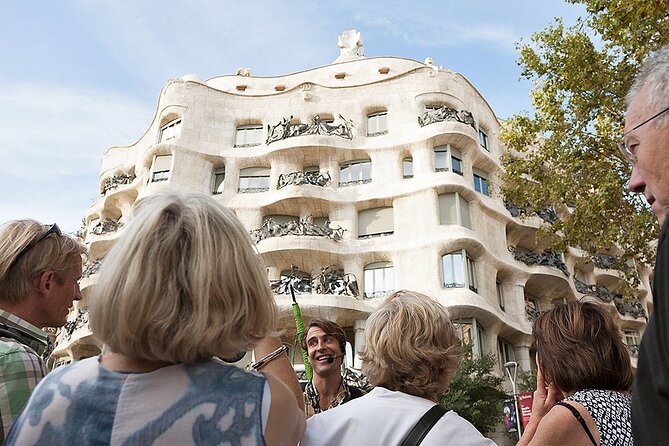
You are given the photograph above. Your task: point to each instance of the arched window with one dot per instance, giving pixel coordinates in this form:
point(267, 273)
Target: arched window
point(375, 222)
point(249, 135)
point(253, 179)
point(160, 170)
point(454, 210)
point(219, 181)
point(459, 270)
point(377, 123)
point(355, 172)
point(379, 280)
point(170, 130)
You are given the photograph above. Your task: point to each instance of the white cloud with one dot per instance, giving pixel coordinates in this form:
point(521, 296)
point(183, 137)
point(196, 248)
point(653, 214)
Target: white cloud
point(53, 140)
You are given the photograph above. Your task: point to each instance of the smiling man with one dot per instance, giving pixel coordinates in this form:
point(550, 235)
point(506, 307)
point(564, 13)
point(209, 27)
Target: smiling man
point(325, 343)
point(40, 268)
point(646, 147)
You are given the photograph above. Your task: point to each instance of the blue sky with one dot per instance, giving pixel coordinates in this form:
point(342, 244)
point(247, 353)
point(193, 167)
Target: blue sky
point(80, 76)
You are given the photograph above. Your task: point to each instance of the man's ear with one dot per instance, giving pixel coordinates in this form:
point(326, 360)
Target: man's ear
point(46, 282)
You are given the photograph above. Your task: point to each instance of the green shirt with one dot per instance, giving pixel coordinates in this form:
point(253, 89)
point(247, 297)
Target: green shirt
point(21, 368)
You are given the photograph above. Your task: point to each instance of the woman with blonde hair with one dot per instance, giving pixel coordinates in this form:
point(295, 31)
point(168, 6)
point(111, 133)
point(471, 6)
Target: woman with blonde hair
point(584, 379)
point(181, 285)
point(411, 354)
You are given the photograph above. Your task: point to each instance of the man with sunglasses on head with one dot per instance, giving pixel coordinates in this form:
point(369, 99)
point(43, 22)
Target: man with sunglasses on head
point(40, 268)
point(646, 147)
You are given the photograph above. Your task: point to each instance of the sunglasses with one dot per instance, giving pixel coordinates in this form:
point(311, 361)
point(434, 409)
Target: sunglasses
point(53, 229)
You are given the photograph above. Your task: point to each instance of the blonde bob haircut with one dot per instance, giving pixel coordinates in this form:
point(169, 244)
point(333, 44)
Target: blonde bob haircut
point(182, 283)
point(57, 252)
point(411, 346)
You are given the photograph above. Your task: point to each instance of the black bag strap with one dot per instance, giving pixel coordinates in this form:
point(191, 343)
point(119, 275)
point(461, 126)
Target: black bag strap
point(580, 419)
point(420, 430)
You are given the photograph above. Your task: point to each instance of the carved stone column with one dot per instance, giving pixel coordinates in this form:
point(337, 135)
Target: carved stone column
point(523, 357)
point(359, 328)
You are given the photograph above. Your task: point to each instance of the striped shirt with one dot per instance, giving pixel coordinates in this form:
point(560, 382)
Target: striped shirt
point(21, 368)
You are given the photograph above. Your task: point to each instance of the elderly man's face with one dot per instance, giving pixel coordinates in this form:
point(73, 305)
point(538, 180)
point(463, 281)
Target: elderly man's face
point(650, 144)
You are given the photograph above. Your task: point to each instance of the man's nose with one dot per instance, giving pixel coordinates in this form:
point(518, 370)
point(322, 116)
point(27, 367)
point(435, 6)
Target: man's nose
point(77, 292)
point(636, 183)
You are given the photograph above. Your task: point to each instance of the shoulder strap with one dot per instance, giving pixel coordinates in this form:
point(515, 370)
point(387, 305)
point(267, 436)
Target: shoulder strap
point(580, 419)
point(420, 430)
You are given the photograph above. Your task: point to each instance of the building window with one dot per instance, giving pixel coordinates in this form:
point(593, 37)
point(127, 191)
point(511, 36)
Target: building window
point(456, 161)
point(481, 182)
point(160, 171)
point(170, 130)
point(249, 136)
point(407, 168)
point(459, 270)
point(441, 159)
point(500, 295)
point(631, 337)
point(532, 309)
point(471, 333)
point(505, 353)
point(253, 179)
point(355, 172)
point(375, 222)
point(483, 140)
point(377, 124)
point(447, 158)
point(454, 210)
point(379, 280)
point(219, 181)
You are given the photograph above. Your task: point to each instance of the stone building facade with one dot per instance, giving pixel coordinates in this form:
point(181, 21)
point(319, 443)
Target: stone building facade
point(355, 179)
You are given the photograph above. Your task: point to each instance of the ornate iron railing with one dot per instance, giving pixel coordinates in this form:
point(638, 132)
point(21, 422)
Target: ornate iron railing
point(546, 258)
point(303, 226)
point(300, 178)
point(285, 129)
point(445, 113)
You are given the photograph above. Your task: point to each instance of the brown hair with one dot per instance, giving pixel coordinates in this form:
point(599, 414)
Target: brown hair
point(329, 327)
point(411, 345)
point(580, 347)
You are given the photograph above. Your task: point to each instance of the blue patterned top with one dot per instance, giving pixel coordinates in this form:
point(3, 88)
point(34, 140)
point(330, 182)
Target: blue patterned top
point(204, 403)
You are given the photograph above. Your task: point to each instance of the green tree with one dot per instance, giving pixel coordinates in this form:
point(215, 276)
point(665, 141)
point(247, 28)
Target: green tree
point(475, 393)
point(564, 155)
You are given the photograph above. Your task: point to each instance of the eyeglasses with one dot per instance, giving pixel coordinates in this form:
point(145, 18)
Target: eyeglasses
point(53, 229)
point(625, 151)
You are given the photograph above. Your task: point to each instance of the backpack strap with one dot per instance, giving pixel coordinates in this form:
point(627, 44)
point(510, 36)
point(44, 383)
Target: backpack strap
point(580, 419)
point(420, 430)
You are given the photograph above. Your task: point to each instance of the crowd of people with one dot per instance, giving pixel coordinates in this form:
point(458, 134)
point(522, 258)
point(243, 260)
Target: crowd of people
point(174, 306)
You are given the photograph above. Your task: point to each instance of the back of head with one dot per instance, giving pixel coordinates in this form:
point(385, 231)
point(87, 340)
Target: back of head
point(654, 78)
point(182, 283)
point(580, 347)
point(328, 327)
point(411, 345)
point(25, 253)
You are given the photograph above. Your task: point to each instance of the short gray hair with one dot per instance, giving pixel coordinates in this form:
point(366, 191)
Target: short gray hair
point(654, 76)
point(411, 345)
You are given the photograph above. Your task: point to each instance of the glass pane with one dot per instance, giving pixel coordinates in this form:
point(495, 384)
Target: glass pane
point(464, 213)
point(448, 213)
point(440, 160)
point(407, 167)
point(457, 164)
point(255, 136)
point(477, 183)
point(345, 174)
point(264, 182)
point(372, 124)
point(356, 172)
point(219, 182)
point(369, 282)
point(378, 279)
point(390, 282)
point(383, 123)
point(366, 171)
point(484, 187)
point(458, 276)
